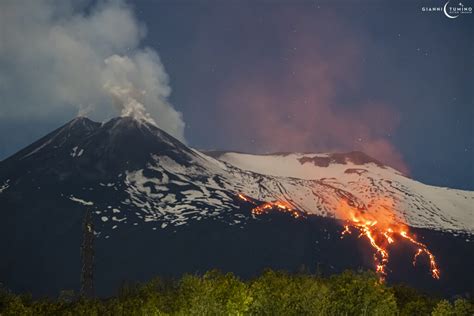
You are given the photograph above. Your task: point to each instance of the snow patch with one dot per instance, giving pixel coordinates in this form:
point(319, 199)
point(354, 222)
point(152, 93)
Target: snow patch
point(5, 186)
point(80, 201)
point(115, 219)
point(76, 153)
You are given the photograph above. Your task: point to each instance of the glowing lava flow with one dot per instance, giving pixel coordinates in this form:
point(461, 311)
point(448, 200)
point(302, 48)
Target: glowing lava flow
point(423, 249)
point(381, 232)
point(377, 224)
point(265, 207)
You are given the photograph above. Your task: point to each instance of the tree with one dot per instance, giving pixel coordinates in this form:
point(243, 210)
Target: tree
point(412, 302)
point(443, 308)
point(463, 307)
point(213, 294)
point(360, 294)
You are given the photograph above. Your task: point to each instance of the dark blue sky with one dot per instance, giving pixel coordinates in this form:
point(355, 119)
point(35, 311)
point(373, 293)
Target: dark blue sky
point(260, 76)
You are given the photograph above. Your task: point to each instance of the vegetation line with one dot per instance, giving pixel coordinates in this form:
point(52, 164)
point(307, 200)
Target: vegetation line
point(272, 293)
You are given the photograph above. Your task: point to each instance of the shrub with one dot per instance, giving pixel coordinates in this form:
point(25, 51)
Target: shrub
point(461, 307)
point(360, 294)
point(272, 293)
point(280, 293)
point(213, 294)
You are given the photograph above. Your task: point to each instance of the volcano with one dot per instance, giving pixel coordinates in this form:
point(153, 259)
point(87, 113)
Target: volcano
point(161, 208)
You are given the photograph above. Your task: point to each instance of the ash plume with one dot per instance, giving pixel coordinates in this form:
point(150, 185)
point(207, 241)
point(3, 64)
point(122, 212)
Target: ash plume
point(81, 56)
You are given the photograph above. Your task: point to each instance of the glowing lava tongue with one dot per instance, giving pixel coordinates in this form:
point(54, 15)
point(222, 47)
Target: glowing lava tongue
point(382, 230)
point(265, 207)
point(376, 223)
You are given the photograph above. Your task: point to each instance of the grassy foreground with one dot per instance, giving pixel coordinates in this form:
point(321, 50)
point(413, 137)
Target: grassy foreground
point(273, 293)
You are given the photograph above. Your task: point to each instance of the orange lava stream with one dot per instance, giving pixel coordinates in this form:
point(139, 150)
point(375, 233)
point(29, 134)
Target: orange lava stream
point(381, 230)
point(369, 230)
point(423, 249)
point(268, 206)
point(376, 224)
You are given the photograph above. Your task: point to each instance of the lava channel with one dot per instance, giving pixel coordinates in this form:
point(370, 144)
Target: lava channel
point(266, 207)
point(381, 231)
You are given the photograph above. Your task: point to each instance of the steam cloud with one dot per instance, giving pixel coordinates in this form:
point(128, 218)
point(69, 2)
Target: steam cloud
point(64, 58)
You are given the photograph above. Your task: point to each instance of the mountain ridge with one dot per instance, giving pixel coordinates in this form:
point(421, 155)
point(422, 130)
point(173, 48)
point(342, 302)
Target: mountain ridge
point(312, 183)
point(151, 195)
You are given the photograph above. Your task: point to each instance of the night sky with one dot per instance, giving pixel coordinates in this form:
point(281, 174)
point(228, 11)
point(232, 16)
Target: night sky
point(382, 77)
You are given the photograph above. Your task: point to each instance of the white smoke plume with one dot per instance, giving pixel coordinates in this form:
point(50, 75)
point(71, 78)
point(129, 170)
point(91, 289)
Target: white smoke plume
point(61, 55)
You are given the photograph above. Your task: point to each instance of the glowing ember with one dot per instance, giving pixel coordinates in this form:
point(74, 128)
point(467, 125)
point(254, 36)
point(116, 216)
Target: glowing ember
point(382, 230)
point(345, 231)
point(265, 207)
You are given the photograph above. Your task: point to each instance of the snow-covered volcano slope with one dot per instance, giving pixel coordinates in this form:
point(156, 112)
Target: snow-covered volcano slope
point(314, 183)
point(162, 208)
point(130, 172)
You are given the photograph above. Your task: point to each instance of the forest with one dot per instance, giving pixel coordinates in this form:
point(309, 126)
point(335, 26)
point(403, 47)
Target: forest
point(271, 293)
